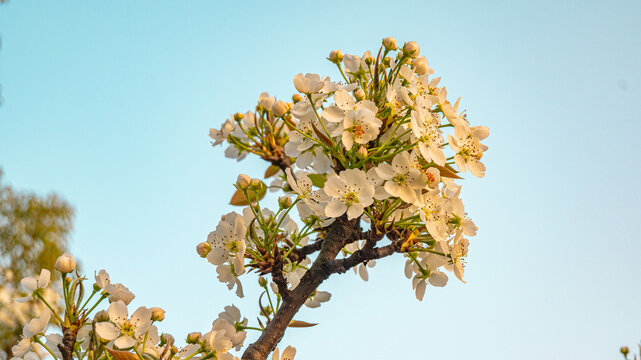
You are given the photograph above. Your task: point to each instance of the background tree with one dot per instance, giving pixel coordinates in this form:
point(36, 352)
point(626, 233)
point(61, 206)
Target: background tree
point(34, 231)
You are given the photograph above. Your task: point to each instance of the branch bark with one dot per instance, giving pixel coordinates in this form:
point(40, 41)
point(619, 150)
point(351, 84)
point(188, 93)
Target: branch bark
point(337, 235)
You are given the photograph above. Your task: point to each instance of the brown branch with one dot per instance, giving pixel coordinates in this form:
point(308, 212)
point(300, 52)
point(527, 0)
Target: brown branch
point(365, 254)
point(279, 277)
point(337, 235)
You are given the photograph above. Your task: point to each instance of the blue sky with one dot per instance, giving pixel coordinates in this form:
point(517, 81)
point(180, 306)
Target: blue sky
point(109, 104)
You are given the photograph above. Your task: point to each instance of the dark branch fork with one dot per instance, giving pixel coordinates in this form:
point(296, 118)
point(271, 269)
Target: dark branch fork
point(339, 234)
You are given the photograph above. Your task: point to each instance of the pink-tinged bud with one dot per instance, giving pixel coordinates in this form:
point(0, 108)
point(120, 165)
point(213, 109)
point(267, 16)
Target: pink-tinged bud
point(243, 181)
point(411, 49)
point(421, 66)
point(284, 202)
point(369, 59)
point(336, 56)
point(262, 281)
point(359, 94)
point(390, 43)
point(256, 182)
point(65, 263)
point(193, 337)
point(101, 316)
point(157, 314)
point(203, 249)
point(280, 108)
point(362, 152)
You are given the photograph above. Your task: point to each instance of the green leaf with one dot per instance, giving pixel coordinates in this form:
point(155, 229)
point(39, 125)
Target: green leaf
point(318, 180)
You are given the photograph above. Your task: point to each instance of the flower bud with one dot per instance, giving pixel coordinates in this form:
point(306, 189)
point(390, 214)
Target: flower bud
point(369, 59)
point(101, 315)
point(262, 281)
point(243, 181)
point(203, 249)
point(336, 56)
point(167, 339)
point(362, 152)
point(65, 263)
point(296, 98)
point(157, 314)
point(625, 351)
point(387, 61)
point(359, 94)
point(411, 49)
point(173, 350)
point(238, 116)
point(280, 108)
point(256, 182)
point(284, 202)
point(390, 43)
point(421, 66)
point(193, 337)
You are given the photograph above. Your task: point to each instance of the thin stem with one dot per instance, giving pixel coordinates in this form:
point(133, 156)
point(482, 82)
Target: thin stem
point(45, 346)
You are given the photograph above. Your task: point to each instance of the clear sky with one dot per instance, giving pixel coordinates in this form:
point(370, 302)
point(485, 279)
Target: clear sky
point(109, 104)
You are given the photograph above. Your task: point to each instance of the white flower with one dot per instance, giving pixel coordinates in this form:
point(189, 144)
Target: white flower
point(402, 179)
point(429, 138)
point(225, 275)
point(22, 347)
point(468, 148)
point(37, 325)
point(288, 353)
point(350, 191)
point(52, 342)
point(308, 84)
point(360, 126)
point(317, 298)
point(228, 242)
point(123, 330)
point(31, 284)
point(224, 336)
point(430, 207)
point(119, 292)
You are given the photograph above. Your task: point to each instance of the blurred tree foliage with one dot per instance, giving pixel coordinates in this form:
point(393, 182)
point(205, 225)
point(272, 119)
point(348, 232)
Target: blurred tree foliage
point(33, 232)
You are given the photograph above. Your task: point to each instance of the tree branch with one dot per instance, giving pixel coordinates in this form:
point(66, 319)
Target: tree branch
point(362, 255)
point(337, 235)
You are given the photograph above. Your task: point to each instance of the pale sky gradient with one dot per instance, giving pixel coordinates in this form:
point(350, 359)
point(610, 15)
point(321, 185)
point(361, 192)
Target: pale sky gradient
point(109, 104)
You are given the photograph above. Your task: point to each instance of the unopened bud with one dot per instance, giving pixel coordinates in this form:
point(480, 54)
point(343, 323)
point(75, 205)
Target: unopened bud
point(173, 350)
point(101, 316)
point(390, 43)
point(336, 56)
point(262, 281)
point(387, 61)
point(421, 66)
point(256, 182)
point(369, 59)
point(157, 314)
point(411, 49)
point(624, 350)
point(362, 153)
point(280, 108)
point(238, 116)
point(167, 339)
point(243, 181)
point(65, 263)
point(359, 94)
point(203, 249)
point(193, 337)
point(296, 98)
point(284, 202)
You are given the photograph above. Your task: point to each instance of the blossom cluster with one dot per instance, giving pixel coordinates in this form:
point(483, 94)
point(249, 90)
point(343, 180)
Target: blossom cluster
point(383, 145)
point(112, 333)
